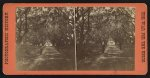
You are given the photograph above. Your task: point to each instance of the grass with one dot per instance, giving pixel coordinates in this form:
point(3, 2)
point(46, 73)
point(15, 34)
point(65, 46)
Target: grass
point(25, 54)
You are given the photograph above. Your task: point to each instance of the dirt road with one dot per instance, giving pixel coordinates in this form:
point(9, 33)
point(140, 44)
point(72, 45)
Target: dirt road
point(50, 59)
point(111, 59)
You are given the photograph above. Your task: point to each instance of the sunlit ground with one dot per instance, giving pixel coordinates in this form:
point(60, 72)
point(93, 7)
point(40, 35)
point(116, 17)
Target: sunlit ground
point(49, 58)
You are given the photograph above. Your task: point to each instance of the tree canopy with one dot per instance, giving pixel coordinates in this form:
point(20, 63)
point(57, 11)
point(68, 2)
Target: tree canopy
point(94, 25)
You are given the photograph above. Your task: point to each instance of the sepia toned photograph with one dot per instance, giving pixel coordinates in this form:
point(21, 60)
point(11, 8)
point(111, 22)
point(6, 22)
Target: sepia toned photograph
point(75, 38)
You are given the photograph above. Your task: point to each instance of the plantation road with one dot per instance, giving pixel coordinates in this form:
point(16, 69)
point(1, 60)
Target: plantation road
point(112, 59)
point(50, 59)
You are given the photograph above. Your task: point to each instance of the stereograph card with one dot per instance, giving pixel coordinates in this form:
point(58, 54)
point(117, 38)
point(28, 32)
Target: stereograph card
point(75, 39)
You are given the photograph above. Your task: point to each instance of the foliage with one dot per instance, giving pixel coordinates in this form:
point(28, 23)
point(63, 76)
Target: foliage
point(94, 26)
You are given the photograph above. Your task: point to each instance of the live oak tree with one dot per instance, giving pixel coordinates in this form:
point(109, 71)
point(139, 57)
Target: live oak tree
point(36, 24)
point(94, 26)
